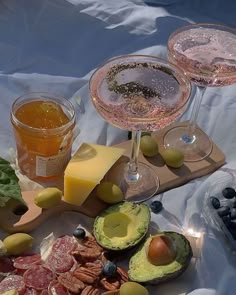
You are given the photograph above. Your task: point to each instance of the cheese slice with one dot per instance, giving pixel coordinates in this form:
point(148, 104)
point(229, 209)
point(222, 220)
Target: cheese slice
point(86, 169)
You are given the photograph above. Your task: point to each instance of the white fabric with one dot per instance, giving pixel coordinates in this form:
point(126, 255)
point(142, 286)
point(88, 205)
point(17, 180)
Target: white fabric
point(55, 45)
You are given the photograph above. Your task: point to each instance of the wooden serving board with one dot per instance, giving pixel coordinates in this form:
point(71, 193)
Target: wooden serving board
point(168, 178)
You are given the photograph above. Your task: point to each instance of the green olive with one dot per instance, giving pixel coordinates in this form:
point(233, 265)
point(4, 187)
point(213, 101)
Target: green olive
point(18, 243)
point(109, 192)
point(48, 197)
point(133, 288)
point(148, 146)
point(173, 158)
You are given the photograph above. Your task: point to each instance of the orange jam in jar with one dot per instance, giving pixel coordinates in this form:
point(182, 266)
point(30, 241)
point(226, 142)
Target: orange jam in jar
point(43, 127)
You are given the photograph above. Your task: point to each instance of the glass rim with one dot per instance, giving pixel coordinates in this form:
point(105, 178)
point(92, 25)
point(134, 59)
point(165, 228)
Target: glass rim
point(164, 62)
point(36, 95)
point(224, 28)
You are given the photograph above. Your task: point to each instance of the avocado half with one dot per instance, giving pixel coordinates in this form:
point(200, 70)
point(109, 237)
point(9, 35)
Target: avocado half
point(122, 226)
point(153, 274)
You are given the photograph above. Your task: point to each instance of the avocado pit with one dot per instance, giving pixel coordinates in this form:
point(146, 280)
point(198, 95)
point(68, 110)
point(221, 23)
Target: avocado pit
point(178, 252)
point(161, 250)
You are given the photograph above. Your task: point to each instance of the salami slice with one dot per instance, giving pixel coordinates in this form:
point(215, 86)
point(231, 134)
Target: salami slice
point(25, 262)
point(6, 265)
point(55, 288)
point(60, 262)
point(44, 292)
point(30, 291)
point(65, 244)
point(38, 277)
point(12, 282)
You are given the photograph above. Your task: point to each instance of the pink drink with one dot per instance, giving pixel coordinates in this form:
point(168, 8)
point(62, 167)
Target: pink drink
point(142, 94)
point(207, 55)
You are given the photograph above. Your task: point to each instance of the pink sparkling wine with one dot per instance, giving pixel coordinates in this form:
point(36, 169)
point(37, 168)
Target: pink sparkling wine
point(207, 55)
point(140, 95)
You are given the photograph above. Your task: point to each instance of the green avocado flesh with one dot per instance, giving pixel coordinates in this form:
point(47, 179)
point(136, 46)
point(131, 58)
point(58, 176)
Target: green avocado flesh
point(122, 225)
point(153, 273)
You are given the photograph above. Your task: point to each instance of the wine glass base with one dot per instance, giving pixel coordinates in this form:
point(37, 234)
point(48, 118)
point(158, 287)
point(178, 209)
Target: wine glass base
point(195, 148)
point(137, 190)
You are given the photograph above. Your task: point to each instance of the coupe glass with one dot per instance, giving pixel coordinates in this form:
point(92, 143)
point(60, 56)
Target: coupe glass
point(207, 54)
point(138, 93)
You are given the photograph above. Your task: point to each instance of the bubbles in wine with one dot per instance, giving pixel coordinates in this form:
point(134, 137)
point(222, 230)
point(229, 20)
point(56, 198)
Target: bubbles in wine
point(141, 84)
point(140, 93)
point(207, 46)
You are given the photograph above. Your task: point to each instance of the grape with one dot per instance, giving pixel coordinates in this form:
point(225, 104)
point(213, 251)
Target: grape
point(229, 192)
point(109, 193)
point(148, 146)
point(48, 197)
point(18, 243)
point(173, 158)
point(133, 288)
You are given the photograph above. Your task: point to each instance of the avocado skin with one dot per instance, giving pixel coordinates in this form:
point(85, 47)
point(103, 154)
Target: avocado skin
point(139, 258)
point(140, 217)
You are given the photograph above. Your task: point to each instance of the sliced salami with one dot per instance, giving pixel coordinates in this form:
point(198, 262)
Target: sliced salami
point(13, 282)
point(30, 291)
point(44, 292)
point(38, 277)
point(55, 288)
point(25, 262)
point(60, 262)
point(65, 244)
point(6, 265)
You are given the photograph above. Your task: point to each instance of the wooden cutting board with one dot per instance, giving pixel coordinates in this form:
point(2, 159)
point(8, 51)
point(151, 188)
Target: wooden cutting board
point(168, 178)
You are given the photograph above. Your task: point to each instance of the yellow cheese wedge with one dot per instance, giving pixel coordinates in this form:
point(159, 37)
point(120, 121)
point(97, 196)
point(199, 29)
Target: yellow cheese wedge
point(86, 169)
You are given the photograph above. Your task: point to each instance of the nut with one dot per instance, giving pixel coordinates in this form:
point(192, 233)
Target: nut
point(95, 266)
point(85, 275)
point(91, 242)
point(70, 282)
point(110, 284)
point(89, 290)
point(123, 275)
point(87, 254)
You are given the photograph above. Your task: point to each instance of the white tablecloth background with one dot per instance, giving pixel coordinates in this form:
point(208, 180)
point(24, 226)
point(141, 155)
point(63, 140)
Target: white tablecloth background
point(55, 45)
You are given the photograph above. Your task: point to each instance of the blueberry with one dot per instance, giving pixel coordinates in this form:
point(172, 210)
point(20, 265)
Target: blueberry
point(79, 233)
point(156, 206)
point(229, 192)
point(223, 211)
point(215, 202)
point(109, 269)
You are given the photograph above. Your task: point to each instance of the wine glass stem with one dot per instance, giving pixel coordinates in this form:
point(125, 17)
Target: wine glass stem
point(196, 107)
point(132, 173)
